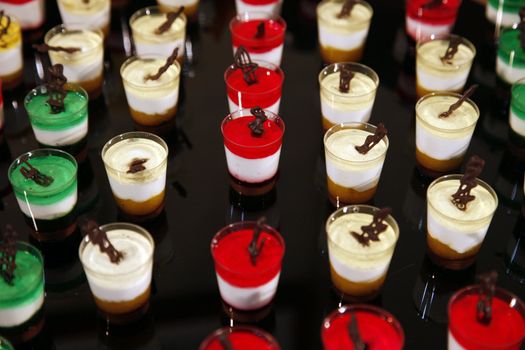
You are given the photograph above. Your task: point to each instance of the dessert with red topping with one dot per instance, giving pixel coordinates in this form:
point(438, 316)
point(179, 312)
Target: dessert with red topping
point(261, 34)
point(30, 13)
point(239, 338)
point(376, 329)
point(247, 257)
point(425, 18)
point(268, 6)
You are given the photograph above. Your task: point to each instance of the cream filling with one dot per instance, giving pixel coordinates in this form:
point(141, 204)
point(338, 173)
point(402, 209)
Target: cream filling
point(12, 60)
point(507, 72)
point(248, 298)
point(252, 170)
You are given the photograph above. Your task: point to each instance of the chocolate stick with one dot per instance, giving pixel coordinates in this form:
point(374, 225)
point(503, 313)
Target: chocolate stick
point(169, 61)
point(8, 255)
point(170, 18)
point(35, 175)
point(225, 342)
point(257, 126)
point(487, 289)
point(459, 102)
point(100, 238)
point(353, 332)
point(243, 61)
point(347, 8)
point(462, 196)
point(55, 81)
point(372, 140)
point(261, 31)
point(345, 76)
point(452, 49)
point(253, 248)
point(43, 48)
point(136, 165)
point(371, 232)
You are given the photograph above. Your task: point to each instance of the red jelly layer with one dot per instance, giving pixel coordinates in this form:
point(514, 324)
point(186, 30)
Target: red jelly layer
point(264, 93)
point(239, 140)
point(376, 332)
point(242, 341)
point(233, 262)
point(507, 325)
point(260, 2)
point(443, 14)
point(16, 2)
point(243, 33)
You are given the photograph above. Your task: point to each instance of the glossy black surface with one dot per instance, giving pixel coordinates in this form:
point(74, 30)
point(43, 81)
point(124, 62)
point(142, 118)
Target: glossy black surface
point(185, 306)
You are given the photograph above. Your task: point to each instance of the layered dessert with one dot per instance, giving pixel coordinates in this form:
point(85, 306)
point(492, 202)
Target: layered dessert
point(427, 18)
point(247, 277)
point(510, 62)
point(158, 33)
point(83, 59)
point(358, 267)
point(5, 344)
point(88, 14)
point(454, 235)
point(443, 64)
point(441, 142)
point(191, 7)
point(239, 338)
point(352, 176)
point(261, 34)
point(152, 102)
point(30, 13)
point(351, 104)
point(343, 29)
point(272, 7)
point(136, 164)
point(21, 291)
point(10, 51)
point(118, 262)
point(44, 182)
point(503, 13)
point(517, 113)
point(377, 328)
point(252, 157)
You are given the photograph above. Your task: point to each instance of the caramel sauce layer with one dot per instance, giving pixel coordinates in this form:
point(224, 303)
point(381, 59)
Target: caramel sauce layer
point(131, 207)
point(346, 195)
point(436, 164)
point(332, 55)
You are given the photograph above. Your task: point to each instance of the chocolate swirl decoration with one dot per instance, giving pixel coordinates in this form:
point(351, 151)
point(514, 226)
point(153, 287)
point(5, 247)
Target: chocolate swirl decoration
point(462, 196)
point(487, 289)
point(4, 28)
point(99, 237)
point(261, 31)
point(32, 173)
point(243, 61)
point(452, 49)
point(459, 102)
point(345, 76)
point(170, 19)
point(347, 8)
point(353, 332)
point(225, 342)
point(521, 27)
point(136, 165)
point(169, 61)
point(43, 48)
point(371, 232)
point(257, 125)
point(55, 81)
point(8, 255)
point(432, 4)
point(372, 140)
point(255, 249)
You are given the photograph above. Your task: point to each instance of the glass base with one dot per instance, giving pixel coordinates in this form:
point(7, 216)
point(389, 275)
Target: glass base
point(26, 331)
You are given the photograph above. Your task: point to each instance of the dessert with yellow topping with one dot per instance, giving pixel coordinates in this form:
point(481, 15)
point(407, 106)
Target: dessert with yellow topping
point(12, 62)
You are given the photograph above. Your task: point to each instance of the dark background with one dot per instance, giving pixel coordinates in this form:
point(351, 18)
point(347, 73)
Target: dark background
point(185, 305)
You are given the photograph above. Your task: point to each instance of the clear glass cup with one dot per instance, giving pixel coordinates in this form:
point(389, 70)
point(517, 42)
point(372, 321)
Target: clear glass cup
point(342, 107)
point(11, 57)
point(510, 60)
point(5, 344)
point(352, 178)
point(503, 13)
point(422, 23)
point(191, 7)
point(517, 113)
point(246, 332)
point(122, 293)
point(95, 14)
point(358, 272)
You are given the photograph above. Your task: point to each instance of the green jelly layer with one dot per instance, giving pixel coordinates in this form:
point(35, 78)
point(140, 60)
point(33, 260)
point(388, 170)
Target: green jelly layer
point(508, 5)
point(4, 345)
point(28, 283)
point(63, 172)
point(510, 48)
point(75, 112)
point(517, 103)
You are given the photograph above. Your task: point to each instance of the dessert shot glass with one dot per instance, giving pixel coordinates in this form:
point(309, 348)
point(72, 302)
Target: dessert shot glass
point(426, 19)
point(240, 338)
point(11, 57)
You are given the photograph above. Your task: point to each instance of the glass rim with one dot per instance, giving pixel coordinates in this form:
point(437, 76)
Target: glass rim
point(479, 182)
point(247, 16)
point(134, 58)
point(242, 328)
point(154, 10)
point(371, 74)
point(349, 125)
point(74, 27)
point(360, 2)
point(434, 37)
point(47, 151)
point(265, 64)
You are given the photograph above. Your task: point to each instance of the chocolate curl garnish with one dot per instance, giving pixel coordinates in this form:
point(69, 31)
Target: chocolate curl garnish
point(85, 1)
point(462, 196)
point(353, 332)
point(372, 231)
point(8, 255)
point(253, 248)
point(257, 125)
point(136, 165)
point(170, 18)
point(243, 61)
point(169, 61)
point(261, 31)
point(347, 8)
point(521, 27)
point(55, 82)
point(4, 28)
point(459, 102)
point(100, 238)
point(35, 175)
point(372, 140)
point(452, 49)
point(344, 79)
point(225, 342)
point(432, 4)
point(487, 289)
point(43, 48)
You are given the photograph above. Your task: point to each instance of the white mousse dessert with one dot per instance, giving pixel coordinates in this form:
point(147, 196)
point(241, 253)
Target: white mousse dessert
point(30, 13)
point(12, 62)
point(272, 7)
point(191, 7)
point(91, 14)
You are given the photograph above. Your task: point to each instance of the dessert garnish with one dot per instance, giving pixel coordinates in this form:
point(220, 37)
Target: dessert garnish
point(253, 248)
point(458, 103)
point(85, 1)
point(432, 4)
point(257, 125)
point(99, 237)
point(4, 28)
point(55, 81)
point(372, 231)
point(43, 48)
point(242, 61)
point(521, 27)
point(462, 196)
point(169, 61)
point(487, 288)
point(170, 18)
point(136, 165)
point(347, 8)
point(8, 255)
point(344, 78)
point(225, 342)
point(35, 175)
point(261, 31)
point(353, 332)
point(452, 49)
point(372, 140)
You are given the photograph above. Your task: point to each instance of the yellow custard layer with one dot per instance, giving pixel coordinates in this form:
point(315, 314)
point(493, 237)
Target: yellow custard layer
point(13, 35)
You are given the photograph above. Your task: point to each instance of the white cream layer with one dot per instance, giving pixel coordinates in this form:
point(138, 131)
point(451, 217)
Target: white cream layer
point(421, 31)
point(64, 137)
point(272, 108)
point(273, 8)
point(503, 19)
point(11, 60)
point(177, 3)
point(149, 43)
point(126, 280)
point(49, 211)
point(342, 41)
point(249, 298)
point(452, 342)
point(82, 15)
point(144, 48)
point(252, 170)
point(272, 56)
point(15, 316)
point(30, 15)
point(441, 82)
point(147, 105)
point(517, 124)
point(507, 72)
